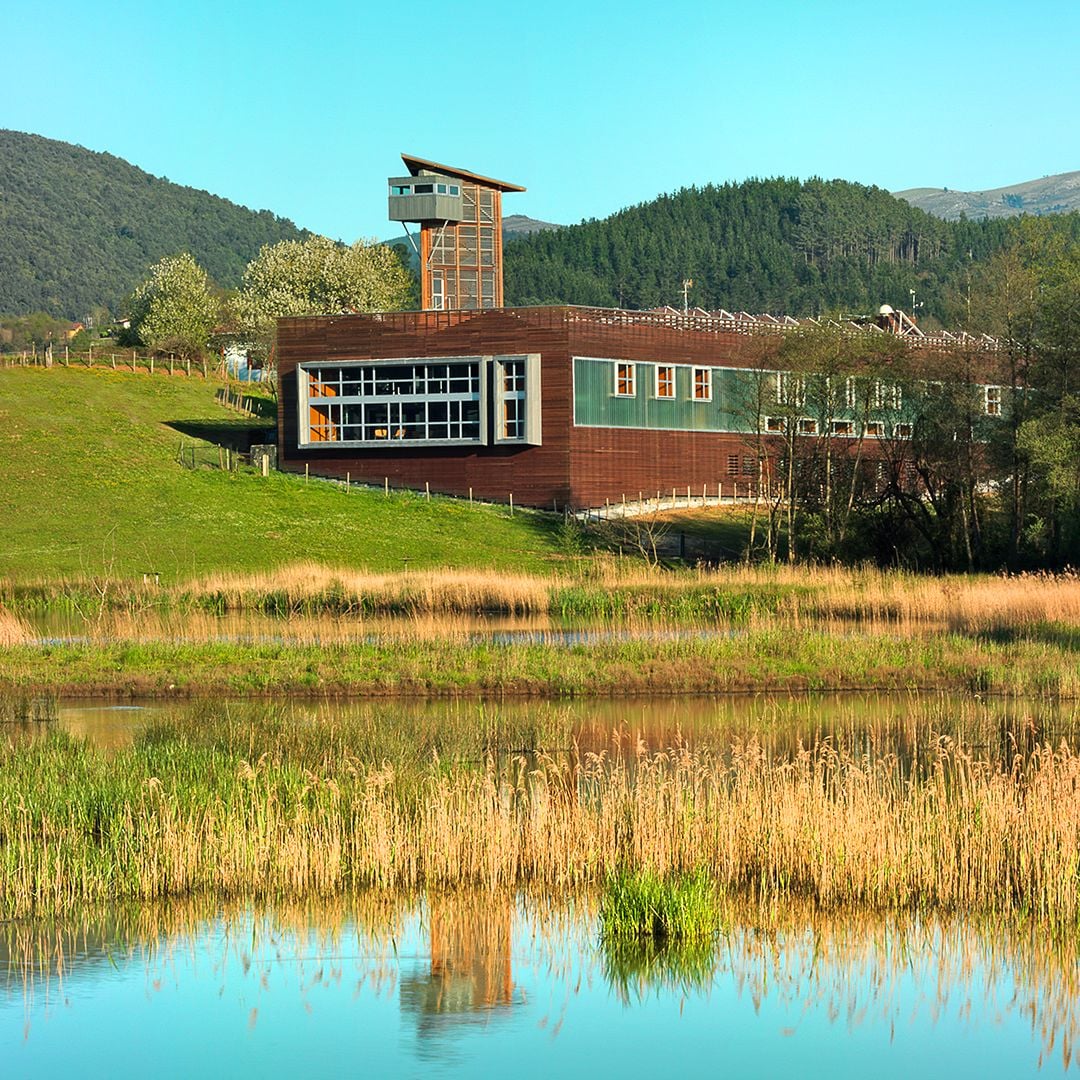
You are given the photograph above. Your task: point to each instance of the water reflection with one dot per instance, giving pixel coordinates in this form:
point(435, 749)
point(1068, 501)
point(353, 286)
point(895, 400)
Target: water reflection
point(463, 981)
point(470, 976)
point(999, 730)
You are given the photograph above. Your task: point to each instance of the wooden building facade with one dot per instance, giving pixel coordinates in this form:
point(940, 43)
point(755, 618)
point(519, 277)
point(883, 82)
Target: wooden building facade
point(564, 406)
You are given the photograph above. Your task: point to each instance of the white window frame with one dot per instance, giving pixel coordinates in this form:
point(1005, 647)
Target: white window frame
point(874, 429)
point(630, 379)
point(670, 369)
point(355, 390)
point(807, 425)
point(903, 430)
point(992, 405)
point(707, 373)
point(516, 379)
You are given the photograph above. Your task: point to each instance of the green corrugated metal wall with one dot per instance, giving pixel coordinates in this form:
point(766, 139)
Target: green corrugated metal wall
point(732, 408)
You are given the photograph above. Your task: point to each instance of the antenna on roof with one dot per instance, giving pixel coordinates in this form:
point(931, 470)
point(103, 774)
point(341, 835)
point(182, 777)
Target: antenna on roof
point(687, 285)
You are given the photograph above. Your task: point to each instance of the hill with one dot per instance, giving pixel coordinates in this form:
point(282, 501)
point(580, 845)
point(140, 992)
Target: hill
point(79, 229)
point(780, 246)
point(515, 225)
point(104, 445)
point(1058, 194)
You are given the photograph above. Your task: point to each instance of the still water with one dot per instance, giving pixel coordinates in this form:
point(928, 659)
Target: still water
point(898, 724)
point(497, 984)
point(500, 985)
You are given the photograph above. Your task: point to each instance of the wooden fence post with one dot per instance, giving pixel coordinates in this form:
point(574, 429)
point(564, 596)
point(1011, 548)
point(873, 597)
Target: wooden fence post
point(511, 504)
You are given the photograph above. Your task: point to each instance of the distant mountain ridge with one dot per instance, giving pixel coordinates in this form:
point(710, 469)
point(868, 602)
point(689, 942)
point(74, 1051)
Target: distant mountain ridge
point(520, 225)
point(79, 229)
point(1058, 194)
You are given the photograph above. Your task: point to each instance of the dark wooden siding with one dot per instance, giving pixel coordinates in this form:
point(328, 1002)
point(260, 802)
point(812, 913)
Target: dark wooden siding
point(534, 475)
point(579, 467)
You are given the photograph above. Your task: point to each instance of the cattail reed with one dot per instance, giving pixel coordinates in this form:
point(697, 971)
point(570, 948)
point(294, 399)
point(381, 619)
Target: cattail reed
point(183, 814)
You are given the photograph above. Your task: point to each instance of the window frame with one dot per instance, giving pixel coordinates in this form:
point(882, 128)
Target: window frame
point(706, 383)
point(627, 380)
point(378, 396)
point(670, 382)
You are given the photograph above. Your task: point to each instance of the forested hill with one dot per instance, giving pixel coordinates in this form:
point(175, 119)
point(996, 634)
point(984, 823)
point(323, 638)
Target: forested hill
point(79, 229)
point(780, 246)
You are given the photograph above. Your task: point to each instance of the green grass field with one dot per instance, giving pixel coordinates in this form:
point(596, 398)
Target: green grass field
point(92, 487)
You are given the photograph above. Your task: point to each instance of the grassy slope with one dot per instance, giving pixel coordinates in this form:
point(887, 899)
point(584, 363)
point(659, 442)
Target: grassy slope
point(91, 485)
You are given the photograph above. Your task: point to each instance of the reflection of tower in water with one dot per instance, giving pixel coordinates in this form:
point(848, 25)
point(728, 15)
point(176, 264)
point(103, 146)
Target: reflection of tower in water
point(470, 973)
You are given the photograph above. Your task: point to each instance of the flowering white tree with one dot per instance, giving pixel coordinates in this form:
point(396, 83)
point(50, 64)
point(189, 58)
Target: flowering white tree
point(174, 310)
point(316, 277)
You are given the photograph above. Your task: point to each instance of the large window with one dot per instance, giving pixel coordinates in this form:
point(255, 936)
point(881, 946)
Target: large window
point(512, 421)
point(387, 402)
point(516, 382)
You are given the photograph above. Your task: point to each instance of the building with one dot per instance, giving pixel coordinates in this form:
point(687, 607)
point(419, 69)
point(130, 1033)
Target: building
point(574, 407)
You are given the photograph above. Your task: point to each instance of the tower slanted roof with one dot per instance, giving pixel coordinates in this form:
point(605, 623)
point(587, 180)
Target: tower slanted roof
point(415, 164)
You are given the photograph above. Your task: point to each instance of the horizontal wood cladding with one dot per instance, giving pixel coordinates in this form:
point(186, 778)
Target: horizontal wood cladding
point(610, 463)
point(533, 475)
point(580, 467)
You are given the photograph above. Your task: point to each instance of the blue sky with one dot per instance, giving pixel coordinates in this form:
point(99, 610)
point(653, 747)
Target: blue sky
point(303, 109)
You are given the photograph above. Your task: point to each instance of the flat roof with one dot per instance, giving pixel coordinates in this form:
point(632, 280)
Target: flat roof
point(415, 164)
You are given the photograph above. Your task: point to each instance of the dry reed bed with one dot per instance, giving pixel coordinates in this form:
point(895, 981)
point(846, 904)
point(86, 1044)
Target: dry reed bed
point(955, 601)
point(13, 631)
point(423, 591)
point(869, 596)
point(957, 834)
point(603, 588)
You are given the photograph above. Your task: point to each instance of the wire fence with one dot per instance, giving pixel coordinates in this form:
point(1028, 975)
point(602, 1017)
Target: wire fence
point(132, 360)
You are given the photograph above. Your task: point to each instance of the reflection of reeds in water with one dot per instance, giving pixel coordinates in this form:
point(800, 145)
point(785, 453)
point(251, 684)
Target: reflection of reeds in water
point(857, 967)
point(854, 967)
point(247, 807)
point(36, 954)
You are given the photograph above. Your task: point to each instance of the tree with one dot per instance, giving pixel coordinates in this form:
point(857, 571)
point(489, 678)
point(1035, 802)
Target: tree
point(316, 277)
point(174, 310)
